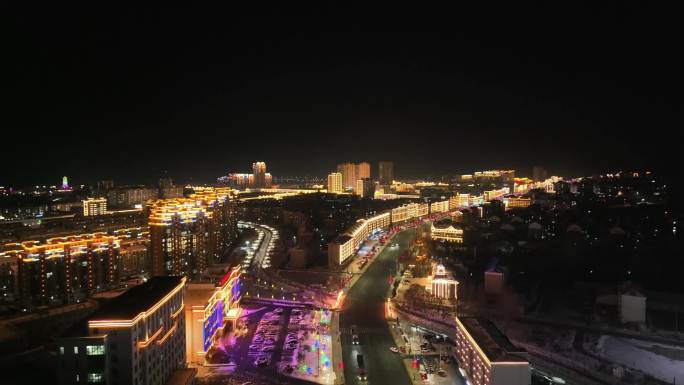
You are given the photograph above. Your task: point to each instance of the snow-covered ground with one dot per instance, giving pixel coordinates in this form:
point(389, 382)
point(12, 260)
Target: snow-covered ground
point(314, 363)
point(665, 362)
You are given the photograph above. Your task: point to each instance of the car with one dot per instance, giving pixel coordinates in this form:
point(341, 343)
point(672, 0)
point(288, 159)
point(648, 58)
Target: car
point(268, 348)
point(394, 349)
point(261, 362)
point(361, 366)
point(254, 347)
point(269, 341)
point(278, 310)
point(355, 340)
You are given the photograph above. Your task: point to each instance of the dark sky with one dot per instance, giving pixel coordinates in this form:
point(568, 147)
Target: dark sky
point(130, 94)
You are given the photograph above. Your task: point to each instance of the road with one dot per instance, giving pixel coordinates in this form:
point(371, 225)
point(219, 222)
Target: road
point(364, 307)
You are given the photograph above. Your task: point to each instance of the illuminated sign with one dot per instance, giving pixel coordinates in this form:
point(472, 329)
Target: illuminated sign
point(212, 323)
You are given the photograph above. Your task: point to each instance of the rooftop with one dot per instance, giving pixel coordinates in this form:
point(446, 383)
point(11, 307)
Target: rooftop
point(495, 345)
point(138, 299)
point(342, 239)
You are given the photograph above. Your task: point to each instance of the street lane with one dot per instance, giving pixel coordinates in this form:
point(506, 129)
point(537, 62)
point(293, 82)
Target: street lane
point(364, 307)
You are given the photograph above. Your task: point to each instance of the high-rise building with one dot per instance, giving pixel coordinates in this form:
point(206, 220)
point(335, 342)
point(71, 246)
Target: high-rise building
point(136, 338)
point(351, 172)
point(94, 206)
point(259, 178)
point(365, 188)
point(68, 269)
point(259, 172)
point(335, 183)
point(385, 172)
point(539, 174)
point(130, 196)
point(189, 234)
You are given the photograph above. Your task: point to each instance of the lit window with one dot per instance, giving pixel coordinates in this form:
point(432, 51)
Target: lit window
point(95, 377)
point(61, 350)
point(75, 349)
point(95, 350)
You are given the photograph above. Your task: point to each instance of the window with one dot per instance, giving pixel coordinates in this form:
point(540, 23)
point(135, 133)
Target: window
point(75, 349)
point(61, 350)
point(95, 377)
point(95, 350)
point(78, 378)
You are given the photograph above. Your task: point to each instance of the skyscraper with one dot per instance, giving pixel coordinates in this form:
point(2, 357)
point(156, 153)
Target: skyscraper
point(335, 183)
point(259, 172)
point(385, 172)
point(65, 183)
point(351, 172)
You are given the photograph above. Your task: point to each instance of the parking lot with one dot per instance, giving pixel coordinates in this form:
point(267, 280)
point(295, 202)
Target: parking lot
point(287, 341)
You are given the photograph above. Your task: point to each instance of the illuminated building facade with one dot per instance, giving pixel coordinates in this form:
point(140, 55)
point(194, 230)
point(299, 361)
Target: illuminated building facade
point(63, 269)
point(459, 201)
point(335, 183)
point(137, 338)
point(446, 232)
point(385, 172)
point(259, 178)
point(127, 197)
point(365, 188)
point(208, 308)
point(94, 206)
point(344, 246)
point(409, 211)
point(485, 355)
point(516, 203)
point(505, 176)
point(490, 195)
point(67, 269)
point(65, 183)
point(442, 284)
point(351, 172)
point(439, 207)
point(189, 234)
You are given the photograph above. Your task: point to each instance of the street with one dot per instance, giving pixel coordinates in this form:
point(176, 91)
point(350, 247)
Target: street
point(364, 307)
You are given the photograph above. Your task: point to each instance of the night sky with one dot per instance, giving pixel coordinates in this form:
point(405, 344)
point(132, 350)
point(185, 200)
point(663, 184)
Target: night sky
point(132, 94)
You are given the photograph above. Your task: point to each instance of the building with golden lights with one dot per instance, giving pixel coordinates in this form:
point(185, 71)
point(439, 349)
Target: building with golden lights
point(189, 234)
point(345, 245)
point(208, 308)
point(409, 211)
point(351, 172)
point(335, 183)
point(486, 356)
point(447, 232)
point(71, 268)
point(94, 206)
point(136, 338)
point(490, 195)
point(439, 207)
point(516, 203)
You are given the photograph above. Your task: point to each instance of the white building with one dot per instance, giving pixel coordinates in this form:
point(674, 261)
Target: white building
point(442, 284)
point(446, 232)
point(94, 206)
point(632, 306)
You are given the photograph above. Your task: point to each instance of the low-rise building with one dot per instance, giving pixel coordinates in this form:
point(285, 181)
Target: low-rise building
point(487, 357)
point(446, 231)
point(208, 308)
